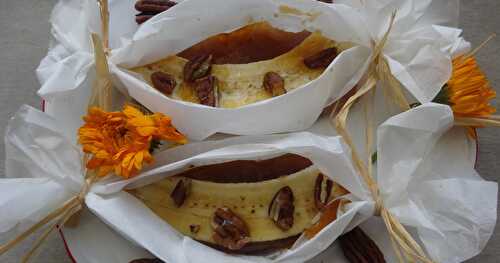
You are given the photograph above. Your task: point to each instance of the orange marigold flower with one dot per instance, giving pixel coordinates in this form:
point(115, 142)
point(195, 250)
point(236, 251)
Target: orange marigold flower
point(157, 125)
point(468, 91)
point(120, 142)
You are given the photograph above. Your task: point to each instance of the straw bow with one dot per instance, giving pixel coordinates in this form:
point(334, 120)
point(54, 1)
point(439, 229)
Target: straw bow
point(101, 97)
point(58, 217)
point(405, 247)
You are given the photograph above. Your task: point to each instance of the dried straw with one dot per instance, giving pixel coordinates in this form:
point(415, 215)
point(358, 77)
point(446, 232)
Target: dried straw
point(405, 247)
point(101, 96)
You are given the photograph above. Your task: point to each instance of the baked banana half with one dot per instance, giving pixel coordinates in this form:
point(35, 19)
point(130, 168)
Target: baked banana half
point(197, 75)
point(262, 209)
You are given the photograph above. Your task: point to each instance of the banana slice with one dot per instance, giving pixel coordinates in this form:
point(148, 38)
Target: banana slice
point(192, 212)
point(250, 201)
point(242, 84)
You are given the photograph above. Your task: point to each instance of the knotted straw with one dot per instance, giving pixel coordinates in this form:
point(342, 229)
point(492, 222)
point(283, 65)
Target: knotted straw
point(405, 247)
point(100, 97)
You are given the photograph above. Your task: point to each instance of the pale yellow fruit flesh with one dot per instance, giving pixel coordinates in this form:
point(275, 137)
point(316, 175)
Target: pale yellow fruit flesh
point(250, 201)
point(241, 84)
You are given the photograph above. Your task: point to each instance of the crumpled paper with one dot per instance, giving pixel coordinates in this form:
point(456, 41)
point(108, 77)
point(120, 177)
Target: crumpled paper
point(418, 53)
point(421, 42)
point(40, 168)
point(450, 205)
point(169, 33)
point(415, 186)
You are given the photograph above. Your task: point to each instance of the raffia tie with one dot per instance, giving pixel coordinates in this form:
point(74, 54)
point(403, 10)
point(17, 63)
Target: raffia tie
point(101, 96)
point(57, 218)
point(405, 247)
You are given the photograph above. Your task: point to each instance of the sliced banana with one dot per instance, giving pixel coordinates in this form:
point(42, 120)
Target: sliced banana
point(241, 84)
point(250, 201)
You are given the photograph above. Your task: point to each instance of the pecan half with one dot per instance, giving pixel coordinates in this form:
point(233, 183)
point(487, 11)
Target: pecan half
point(322, 191)
point(206, 90)
point(230, 231)
point(321, 59)
point(274, 84)
point(281, 208)
point(143, 17)
point(156, 6)
point(194, 228)
point(359, 248)
point(181, 191)
point(150, 8)
point(147, 260)
point(163, 82)
point(197, 68)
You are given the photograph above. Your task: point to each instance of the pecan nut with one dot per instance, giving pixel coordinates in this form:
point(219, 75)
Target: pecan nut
point(282, 208)
point(321, 59)
point(194, 228)
point(359, 248)
point(274, 84)
point(322, 191)
point(150, 8)
point(230, 231)
point(147, 260)
point(197, 68)
point(163, 82)
point(153, 6)
point(181, 191)
point(206, 90)
point(143, 17)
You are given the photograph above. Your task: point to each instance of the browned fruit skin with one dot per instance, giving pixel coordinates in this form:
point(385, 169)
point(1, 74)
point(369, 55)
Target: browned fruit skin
point(197, 68)
point(205, 90)
point(274, 84)
point(359, 248)
point(230, 231)
point(252, 43)
point(163, 82)
point(249, 171)
point(321, 59)
point(281, 208)
point(259, 248)
point(321, 193)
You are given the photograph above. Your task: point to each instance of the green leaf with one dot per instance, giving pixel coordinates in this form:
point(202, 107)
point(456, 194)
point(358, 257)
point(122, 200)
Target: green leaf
point(155, 145)
point(443, 96)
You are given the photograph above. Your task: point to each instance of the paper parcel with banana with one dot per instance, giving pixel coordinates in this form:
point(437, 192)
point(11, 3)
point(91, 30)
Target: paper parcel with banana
point(251, 58)
point(215, 71)
point(279, 198)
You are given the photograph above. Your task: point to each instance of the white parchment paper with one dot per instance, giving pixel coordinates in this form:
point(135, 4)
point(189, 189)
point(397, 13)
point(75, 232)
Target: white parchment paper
point(415, 186)
point(451, 208)
point(195, 20)
point(418, 52)
point(421, 42)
